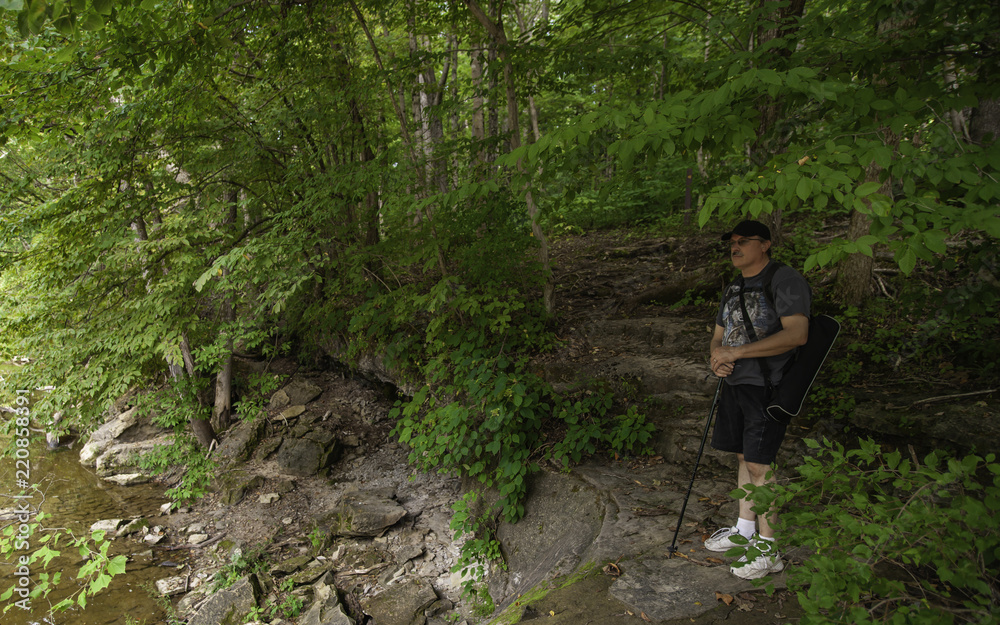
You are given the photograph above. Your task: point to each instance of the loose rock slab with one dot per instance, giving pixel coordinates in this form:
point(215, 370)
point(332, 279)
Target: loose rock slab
point(241, 441)
point(301, 457)
point(402, 604)
point(326, 608)
point(230, 606)
point(296, 392)
point(364, 514)
point(105, 436)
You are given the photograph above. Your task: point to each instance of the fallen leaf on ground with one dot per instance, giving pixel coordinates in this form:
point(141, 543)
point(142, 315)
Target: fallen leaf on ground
point(714, 560)
point(724, 598)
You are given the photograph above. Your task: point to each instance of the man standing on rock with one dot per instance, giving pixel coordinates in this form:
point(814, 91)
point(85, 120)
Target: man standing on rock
point(751, 367)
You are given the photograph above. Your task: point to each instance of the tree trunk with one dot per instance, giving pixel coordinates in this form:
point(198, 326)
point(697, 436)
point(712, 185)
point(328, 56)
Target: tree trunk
point(478, 122)
point(223, 405)
point(527, 28)
point(201, 429)
point(497, 34)
point(784, 23)
point(854, 276)
point(984, 122)
point(492, 114)
point(984, 119)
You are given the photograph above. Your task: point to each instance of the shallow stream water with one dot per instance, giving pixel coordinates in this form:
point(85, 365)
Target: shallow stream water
point(75, 498)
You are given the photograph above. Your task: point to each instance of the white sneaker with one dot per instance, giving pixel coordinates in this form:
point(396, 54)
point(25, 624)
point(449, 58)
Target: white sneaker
point(723, 540)
point(764, 560)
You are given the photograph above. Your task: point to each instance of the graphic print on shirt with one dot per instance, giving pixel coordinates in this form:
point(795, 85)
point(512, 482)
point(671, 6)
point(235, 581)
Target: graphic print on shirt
point(760, 313)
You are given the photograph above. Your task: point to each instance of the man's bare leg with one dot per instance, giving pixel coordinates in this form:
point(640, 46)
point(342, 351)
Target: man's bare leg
point(756, 474)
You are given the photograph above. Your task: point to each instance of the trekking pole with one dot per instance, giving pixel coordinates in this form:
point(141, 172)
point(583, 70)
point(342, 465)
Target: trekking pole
point(672, 549)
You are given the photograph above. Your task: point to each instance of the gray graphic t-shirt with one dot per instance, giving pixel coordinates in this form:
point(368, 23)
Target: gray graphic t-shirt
point(792, 296)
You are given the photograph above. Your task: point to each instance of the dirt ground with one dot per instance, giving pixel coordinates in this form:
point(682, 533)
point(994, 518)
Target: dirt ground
point(590, 596)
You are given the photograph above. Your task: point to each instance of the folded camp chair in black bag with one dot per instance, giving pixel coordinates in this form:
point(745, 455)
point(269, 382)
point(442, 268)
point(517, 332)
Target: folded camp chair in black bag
point(786, 400)
point(800, 373)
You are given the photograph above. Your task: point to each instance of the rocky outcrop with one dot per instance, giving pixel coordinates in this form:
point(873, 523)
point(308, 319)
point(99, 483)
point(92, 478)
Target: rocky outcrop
point(123, 458)
point(363, 514)
point(241, 440)
point(326, 608)
point(235, 485)
point(115, 448)
point(403, 603)
point(229, 606)
point(303, 456)
point(298, 392)
point(106, 435)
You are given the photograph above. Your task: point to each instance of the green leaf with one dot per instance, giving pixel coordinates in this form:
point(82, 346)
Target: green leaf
point(98, 584)
point(803, 188)
point(934, 240)
point(66, 25)
point(868, 188)
point(104, 7)
point(92, 22)
point(907, 261)
point(769, 76)
point(116, 566)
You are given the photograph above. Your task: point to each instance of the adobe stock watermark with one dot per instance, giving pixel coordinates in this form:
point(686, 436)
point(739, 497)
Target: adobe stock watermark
point(24, 512)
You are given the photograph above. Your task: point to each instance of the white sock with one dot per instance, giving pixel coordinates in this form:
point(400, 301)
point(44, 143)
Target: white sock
point(746, 527)
point(771, 539)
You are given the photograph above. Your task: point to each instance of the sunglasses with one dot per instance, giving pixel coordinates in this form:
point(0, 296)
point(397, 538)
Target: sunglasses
point(743, 242)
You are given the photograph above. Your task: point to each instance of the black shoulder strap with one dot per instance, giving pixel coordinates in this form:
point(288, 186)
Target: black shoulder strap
point(752, 333)
point(772, 269)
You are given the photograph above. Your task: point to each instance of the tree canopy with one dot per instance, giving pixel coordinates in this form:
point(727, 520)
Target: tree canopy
point(185, 182)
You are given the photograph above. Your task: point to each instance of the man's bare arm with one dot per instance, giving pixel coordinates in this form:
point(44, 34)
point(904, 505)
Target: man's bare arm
point(794, 332)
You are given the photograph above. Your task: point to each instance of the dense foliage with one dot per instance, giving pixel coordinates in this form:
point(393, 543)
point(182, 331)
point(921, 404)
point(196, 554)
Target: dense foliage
point(183, 183)
point(892, 539)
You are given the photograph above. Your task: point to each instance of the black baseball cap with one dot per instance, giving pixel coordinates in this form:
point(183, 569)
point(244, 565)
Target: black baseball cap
point(749, 228)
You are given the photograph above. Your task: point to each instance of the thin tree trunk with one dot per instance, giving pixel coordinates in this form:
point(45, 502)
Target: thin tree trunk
point(492, 114)
point(222, 408)
point(496, 32)
point(201, 429)
point(785, 24)
point(527, 28)
point(408, 141)
point(478, 122)
point(854, 276)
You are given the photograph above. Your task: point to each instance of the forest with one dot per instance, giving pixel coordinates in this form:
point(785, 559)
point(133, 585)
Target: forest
point(186, 184)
